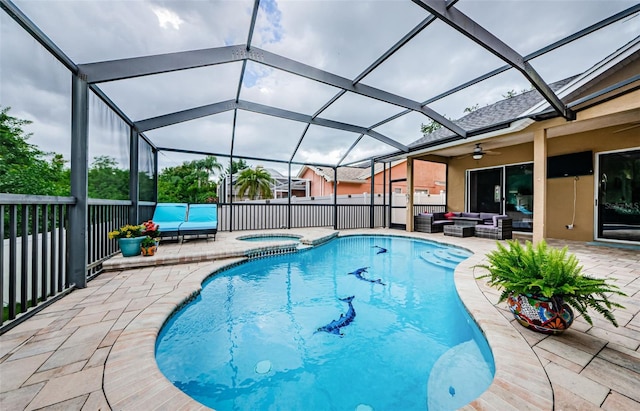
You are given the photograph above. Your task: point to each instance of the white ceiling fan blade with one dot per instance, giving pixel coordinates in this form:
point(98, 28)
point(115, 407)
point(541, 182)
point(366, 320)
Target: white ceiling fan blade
point(627, 128)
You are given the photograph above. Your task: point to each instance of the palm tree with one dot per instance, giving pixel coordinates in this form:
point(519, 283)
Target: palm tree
point(209, 164)
point(205, 169)
point(257, 182)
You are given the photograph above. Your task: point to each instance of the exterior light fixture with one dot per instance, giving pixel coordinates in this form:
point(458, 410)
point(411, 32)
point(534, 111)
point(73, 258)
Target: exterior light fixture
point(477, 152)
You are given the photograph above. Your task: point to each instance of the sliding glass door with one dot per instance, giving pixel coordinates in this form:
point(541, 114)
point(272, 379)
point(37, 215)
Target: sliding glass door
point(618, 196)
point(505, 190)
point(519, 196)
point(485, 190)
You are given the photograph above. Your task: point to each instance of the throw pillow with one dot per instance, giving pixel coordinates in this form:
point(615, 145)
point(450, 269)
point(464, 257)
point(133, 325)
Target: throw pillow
point(449, 215)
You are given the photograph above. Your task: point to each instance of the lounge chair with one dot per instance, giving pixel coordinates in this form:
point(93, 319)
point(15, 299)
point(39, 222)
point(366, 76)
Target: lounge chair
point(500, 228)
point(169, 216)
point(202, 219)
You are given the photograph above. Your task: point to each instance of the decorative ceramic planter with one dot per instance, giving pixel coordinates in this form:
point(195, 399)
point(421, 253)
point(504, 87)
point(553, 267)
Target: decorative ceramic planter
point(130, 247)
point(540, 313)
point(149, 251)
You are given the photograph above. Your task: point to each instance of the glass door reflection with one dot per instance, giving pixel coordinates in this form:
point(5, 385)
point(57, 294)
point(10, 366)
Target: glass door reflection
point(618, 205)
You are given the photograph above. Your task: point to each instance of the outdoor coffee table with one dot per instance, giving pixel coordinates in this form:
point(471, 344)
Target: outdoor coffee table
point(459, 230)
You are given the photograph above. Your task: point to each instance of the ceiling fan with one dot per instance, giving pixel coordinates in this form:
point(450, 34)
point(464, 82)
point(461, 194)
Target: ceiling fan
point(633, 125)
point(478, 153)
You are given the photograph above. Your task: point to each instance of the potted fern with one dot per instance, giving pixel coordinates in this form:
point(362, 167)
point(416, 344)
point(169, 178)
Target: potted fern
point(542, 284)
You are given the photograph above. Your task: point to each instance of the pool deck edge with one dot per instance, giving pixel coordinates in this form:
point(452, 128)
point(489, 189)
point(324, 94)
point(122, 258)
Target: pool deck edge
point(94, 348)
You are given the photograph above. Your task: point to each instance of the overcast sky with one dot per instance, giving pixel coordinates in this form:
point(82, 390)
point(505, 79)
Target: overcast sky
point(342, 37)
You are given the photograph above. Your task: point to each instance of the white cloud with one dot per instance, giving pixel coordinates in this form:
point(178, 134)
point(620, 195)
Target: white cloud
point(342, 37)
point(167, 18)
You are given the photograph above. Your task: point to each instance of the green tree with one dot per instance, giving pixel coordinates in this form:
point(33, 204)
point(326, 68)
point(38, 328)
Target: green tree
point(146, 184)
point(510, 94)
point(255, 182)
point(107, 181)
point(233, 168)
point(237, 165)
point(24, 168)
point(209, 164)
point(430, 127)
point(472, 108)
point(190, 182)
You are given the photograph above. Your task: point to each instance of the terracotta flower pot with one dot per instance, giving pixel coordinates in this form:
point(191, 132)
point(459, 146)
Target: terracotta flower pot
point(148, 251)
point(540, 313)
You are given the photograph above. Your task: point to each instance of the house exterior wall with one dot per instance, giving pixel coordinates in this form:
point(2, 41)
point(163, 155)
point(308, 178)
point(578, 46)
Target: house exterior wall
point(599, 129)
point(426, 176)
point(559, 207)
point(520, 153)
point(318, 185)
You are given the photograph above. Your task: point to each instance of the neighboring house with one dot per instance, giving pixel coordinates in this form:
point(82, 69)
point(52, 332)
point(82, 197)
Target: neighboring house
point(300, 187)
point(430, 178)
point(575, 180)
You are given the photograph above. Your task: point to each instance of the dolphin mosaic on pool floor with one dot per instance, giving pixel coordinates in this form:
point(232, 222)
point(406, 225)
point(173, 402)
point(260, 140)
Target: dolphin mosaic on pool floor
point(94, 348)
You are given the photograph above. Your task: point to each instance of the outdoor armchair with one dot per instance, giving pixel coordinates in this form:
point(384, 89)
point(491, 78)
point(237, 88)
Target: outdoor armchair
point(169, 216)
point(430, 222)
point(500, 229)
point(202, 219)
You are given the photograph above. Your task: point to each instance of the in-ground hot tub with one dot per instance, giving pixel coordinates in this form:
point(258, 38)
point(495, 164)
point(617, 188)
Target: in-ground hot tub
point(270, 237)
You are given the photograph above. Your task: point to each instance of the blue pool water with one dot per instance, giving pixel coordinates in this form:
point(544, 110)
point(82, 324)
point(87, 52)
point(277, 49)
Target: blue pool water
point(250, 340)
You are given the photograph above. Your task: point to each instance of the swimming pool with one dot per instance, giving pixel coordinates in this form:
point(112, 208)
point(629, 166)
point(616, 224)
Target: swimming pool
point(261, 334)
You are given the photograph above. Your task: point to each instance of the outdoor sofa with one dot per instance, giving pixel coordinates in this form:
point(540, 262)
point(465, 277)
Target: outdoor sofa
point(486, 225)
point(180, 219)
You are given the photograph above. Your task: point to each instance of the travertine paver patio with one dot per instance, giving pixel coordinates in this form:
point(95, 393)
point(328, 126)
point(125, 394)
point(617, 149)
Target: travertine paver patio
point(94, 349)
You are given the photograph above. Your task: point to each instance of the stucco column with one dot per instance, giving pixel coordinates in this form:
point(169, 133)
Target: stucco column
point(539, 185)
point(409, 194)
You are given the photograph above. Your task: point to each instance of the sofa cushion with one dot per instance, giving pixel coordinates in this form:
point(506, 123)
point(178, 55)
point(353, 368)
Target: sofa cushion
point(439, 216)
point(487, 218)
point(498, 217)
point(442, 222)
point(470, 215)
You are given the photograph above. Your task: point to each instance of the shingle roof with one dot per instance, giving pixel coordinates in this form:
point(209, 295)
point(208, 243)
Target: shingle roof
point(496, 113)
point(348, 173)
point(344, 173)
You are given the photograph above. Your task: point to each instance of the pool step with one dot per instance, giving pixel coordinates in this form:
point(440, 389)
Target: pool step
point(445, 257)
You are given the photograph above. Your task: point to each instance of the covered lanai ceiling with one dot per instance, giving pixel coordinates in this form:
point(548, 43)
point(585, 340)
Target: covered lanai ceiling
point(318, 82)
